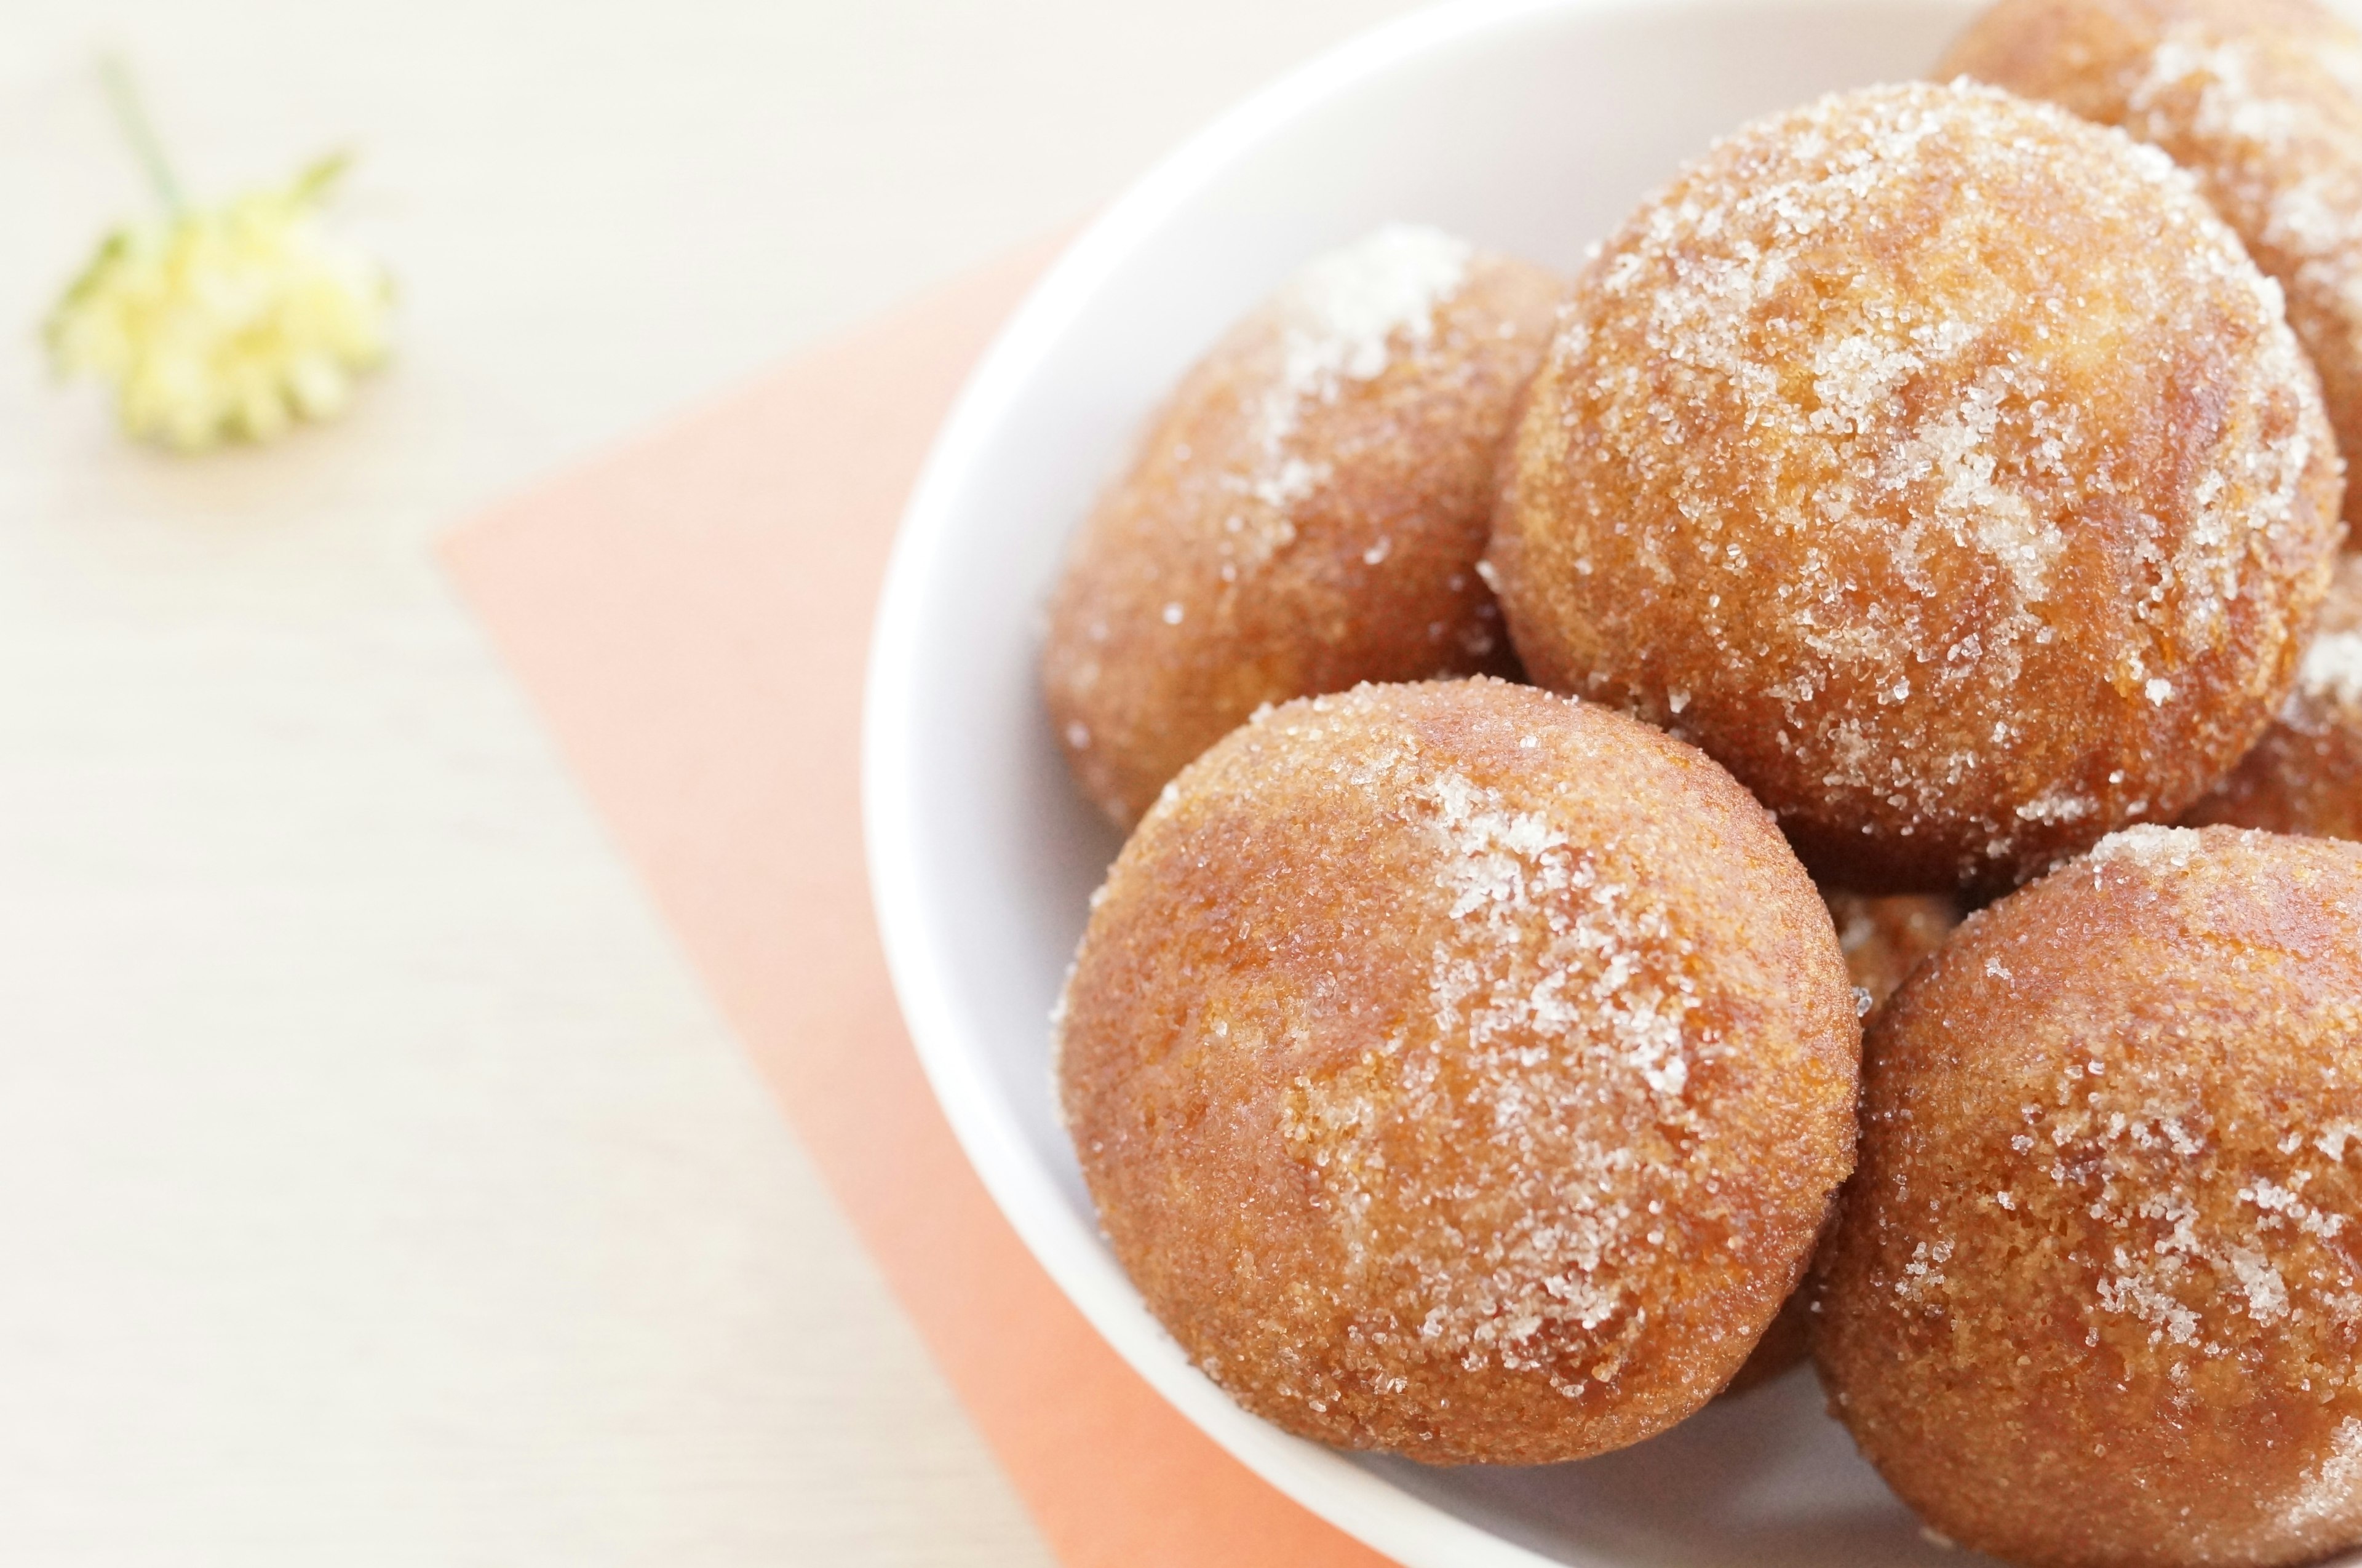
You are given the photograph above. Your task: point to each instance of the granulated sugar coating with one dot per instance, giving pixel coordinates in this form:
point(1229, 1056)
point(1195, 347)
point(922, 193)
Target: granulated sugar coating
point(2094, 1297)
point(1943, 467)
point(1304, 515)
point(2261, 99)
point(1882, 940)
point(1459, 1070)
point(2305, 774)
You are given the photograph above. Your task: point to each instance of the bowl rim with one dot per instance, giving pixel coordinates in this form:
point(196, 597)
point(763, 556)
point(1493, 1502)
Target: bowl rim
point(1357, 1500)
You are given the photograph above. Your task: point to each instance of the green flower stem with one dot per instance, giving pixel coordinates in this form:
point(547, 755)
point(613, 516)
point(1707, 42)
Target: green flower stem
point(131, 118)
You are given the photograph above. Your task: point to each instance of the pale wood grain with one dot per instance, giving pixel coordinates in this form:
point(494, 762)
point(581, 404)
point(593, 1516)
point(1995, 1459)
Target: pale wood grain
point(376, 1186)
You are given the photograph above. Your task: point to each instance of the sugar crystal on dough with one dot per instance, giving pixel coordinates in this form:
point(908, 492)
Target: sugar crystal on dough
point(2332, 670)
point(1344, 314)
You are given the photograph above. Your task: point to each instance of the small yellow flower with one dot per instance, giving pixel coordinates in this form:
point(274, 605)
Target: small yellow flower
point(225, 322)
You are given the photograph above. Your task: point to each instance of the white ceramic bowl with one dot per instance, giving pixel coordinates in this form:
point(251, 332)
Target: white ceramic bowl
point(1528, 126)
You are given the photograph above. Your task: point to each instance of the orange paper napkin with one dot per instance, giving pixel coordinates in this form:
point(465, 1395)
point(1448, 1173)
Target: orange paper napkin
point(692, 613)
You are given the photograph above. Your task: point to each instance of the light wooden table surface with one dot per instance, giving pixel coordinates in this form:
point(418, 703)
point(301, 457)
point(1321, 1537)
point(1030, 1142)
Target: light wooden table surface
point(375, 1186)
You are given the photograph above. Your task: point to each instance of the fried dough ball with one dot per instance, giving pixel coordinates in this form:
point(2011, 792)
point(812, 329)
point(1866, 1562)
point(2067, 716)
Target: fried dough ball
point(2093, 1299)
point(2257, 98)
point(1786, 1346)
point(1882, 940)
point(2305, 774)
point(1459, 1070)
point(1304, 515)
point(1939, 464)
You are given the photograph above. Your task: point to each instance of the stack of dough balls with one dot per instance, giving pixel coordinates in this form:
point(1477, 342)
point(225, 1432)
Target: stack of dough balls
point(1304, 515)
point(2258, 99)
point(1923, 502)
point(1883, 940)
point(2305, 774)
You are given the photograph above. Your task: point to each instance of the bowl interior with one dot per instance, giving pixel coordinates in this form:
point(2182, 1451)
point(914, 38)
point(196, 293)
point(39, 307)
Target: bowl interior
point(1529, 127)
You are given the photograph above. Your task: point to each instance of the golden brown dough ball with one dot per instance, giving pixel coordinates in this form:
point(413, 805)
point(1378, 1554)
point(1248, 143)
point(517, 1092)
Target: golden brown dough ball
point(1304, 515)
point(2305, 774)
point(2257, 98)
point(1786, 1345)
point(1882, 940)
point(1459, 1070)
point(1939, 463)
point(2093, 1299)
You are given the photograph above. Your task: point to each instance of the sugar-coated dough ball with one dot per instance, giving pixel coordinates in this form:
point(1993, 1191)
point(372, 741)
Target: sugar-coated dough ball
point(1939, 464)
point(2259, 99)
point(2093, 1297)
point(1883, 939)
point(2305, 774)
point(1459, 1070)
point(1304, 515)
